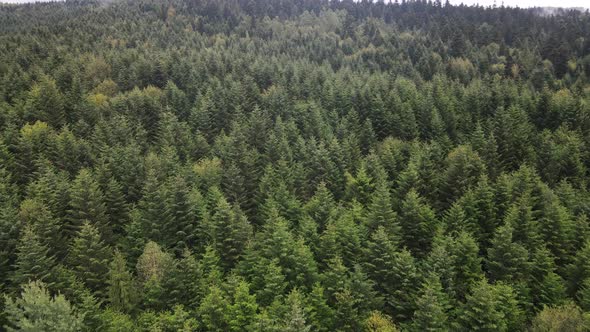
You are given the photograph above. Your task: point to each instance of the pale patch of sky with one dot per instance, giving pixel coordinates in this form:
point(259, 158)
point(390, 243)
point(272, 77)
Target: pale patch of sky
point(526, 3)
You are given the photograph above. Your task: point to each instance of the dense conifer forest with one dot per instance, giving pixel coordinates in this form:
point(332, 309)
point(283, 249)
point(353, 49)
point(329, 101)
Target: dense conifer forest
point(293, 165)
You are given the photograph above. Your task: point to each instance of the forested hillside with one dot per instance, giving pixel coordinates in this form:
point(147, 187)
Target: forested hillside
point(293, 165)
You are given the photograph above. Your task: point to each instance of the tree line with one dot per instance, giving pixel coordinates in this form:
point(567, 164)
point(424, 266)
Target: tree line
point(293, 165)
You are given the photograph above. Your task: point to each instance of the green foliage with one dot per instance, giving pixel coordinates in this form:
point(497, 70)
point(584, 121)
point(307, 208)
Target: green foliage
point(33, 261)
point(418, 222)
point(567, 317)
point(431, 307)
point(36, 310)
point(214, 310)
point(121, 285)
point(490, 308)
point(296, 165)
point(87, 204)
point(89, 258)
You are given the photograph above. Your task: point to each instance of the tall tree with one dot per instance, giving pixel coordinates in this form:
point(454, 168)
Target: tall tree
point(36, 310)
point(89, 258)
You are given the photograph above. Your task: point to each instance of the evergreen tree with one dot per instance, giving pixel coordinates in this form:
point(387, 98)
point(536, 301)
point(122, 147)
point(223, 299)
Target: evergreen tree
point(489, 308)
point(36, 310)
point(466, 263)
point(117, 209)
point(321, 315)
point(87, 204)
point(418, 223)
point(89, 258)
point(214, 311)
point(242, 312)
point(33, 261)
point(431, 307)
point(381, 214)
point(295, 319)
point(121, 285)
point(230, 231)
point(507, 260)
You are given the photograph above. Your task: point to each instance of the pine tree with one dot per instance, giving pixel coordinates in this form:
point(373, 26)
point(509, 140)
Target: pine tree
point(242, 312)
point(190, 275)
point(379, 259)
point(214, 311)
point(359, 187)
point(44, 102)
point(180, 227)
point(117, 209)
point(321, 206)
point(579, 269)
point(122, 294)
point(418, 223)
point(154, 269)
point(507, 260)
point(441, 263)
point(547, 287)
point(32, 260)
point(381, 214)
point(36, 214)
point(87, 204)
point(464, 169)
point(230, 231)
point(404, 282)
point(556, 226)
point(321, 315)
point(467, 263)
point(36, 310)
point(152, 209)
point(431, 307)
point(525, 228)
point(342, 237)
point(89, 258)
point(268, 281)
point(295, 319)
point(486, 308)
point(480, 210)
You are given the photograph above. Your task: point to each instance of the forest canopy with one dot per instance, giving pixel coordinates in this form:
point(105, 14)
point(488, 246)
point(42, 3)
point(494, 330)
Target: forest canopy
point(293, 165)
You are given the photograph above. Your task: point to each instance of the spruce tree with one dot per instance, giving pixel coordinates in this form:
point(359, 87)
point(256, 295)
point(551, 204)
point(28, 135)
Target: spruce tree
point(418, 223)
point(214, 311)
point(122, 294)
point(117, 209)
point(33, 261)
point(89, 258)
point(230, 232)
point(431, 307)
point(467, 263)
point(507, 260)
point(87, 204)
point(382, 214)
point(321, 315)
point(243, 310)
point(488, 308)
point(36, 310)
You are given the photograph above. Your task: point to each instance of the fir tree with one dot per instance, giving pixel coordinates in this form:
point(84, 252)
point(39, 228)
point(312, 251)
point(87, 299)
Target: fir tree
point(33, 261)
point(418, 223)
point(89, 258)
point(121, 285)
point(87, 204)
point(242, 311)
point(431, 307)
point(36, 310)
